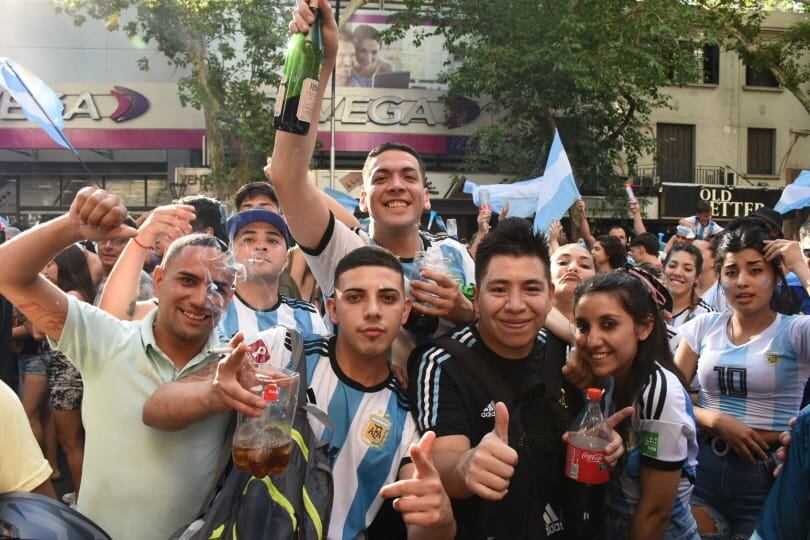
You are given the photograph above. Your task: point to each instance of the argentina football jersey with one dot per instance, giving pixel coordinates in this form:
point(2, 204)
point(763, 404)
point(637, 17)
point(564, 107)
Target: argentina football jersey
point(759, 382)
point(288, 312)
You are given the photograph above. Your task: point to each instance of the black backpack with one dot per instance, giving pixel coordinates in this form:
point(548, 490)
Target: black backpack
point(540, 411)
point(295, 504)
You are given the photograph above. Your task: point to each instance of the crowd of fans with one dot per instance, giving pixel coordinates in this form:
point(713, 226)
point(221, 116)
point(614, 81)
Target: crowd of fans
point(445, 411)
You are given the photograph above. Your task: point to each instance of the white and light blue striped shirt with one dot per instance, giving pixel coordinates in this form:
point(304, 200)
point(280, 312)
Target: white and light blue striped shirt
point(372, 431)
point(296, 314)
point(666, 439)
point(760, 382)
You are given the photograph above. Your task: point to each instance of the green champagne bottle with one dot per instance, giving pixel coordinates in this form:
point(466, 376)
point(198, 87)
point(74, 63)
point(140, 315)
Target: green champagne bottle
point(295, 102)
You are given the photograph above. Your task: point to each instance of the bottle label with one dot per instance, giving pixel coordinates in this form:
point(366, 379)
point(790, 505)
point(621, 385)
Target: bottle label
point(586, 466)
point(306, 105)
point(282, 90)
point(270, 392)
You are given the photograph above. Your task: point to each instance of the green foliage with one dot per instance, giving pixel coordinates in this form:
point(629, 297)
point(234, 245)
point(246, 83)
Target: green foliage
point(233, 49)
point(741, 26)
point(593, 68)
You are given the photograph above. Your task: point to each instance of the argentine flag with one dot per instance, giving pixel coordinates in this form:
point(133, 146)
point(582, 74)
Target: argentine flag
point(558, 189)
point(521, 196)
point(795, 195)
point(38, 101)
point(346, 201)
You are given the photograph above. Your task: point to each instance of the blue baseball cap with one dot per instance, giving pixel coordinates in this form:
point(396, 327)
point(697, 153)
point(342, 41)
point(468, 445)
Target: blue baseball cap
point(239, 220)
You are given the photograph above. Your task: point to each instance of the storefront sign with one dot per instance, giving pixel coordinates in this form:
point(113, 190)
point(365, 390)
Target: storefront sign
point(130, 104)
point(727, 202)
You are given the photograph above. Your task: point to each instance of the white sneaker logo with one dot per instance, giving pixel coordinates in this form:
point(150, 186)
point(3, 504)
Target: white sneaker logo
point(553, 523)
point(489, 410)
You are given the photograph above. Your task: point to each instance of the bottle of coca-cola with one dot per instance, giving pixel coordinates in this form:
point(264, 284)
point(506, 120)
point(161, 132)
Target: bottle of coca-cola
point(587, 470)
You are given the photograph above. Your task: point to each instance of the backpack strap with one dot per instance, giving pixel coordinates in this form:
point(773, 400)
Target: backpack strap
point(482, 370)
point(552, 370)
point(298, 364)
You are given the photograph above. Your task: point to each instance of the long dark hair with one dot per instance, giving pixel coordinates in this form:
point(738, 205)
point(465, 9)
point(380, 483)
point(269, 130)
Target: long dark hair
point(639, 301)
point(74, 274)
point(694, 252)
point(616, 254)
point(752, 235)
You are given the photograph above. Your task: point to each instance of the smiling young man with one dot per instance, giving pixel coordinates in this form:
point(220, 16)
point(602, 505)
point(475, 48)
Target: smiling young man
point(505, 365)
point(348, 376)
point(395, 196)
point(259, 241)
point(137, 482)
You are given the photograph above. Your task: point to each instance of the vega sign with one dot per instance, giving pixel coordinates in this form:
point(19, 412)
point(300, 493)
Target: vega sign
point(130, 104)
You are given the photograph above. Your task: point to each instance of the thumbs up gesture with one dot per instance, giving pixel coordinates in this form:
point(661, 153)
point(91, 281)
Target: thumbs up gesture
point(487, 468)
point(421, 499)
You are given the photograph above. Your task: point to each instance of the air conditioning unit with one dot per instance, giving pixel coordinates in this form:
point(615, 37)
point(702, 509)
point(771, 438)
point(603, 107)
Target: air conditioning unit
point(731, 178)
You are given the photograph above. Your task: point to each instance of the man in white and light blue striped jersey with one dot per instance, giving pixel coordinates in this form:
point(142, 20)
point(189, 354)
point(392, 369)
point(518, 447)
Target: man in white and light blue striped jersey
point(373, 440)
point(259, 241)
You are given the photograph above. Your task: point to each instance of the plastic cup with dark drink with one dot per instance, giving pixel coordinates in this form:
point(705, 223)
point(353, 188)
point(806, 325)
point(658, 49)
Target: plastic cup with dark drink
point(263, 445)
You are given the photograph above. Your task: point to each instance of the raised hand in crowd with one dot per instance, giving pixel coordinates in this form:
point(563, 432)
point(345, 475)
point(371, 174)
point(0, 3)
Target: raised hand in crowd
point(94, 215)
point(120, 295)
point(484, 213)
point(790, 252)
point(638, 222)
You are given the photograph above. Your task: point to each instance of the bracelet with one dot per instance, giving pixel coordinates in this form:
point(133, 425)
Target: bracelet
point(135, 239)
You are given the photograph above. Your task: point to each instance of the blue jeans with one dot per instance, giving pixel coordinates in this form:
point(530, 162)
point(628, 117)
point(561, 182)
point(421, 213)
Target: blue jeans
point(785, 512)
point(731, 490)
point(680, 527)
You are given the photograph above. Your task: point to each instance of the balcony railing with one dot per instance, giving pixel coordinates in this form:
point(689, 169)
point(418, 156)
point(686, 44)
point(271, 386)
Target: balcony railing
point(650, 175)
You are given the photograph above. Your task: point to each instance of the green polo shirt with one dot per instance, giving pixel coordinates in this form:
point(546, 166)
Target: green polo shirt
point(137, 482)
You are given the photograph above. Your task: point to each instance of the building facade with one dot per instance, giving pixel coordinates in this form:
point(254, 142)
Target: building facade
point(734, 139)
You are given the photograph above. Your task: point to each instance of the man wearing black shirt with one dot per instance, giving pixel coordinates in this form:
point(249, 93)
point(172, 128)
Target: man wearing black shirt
point(452, 394)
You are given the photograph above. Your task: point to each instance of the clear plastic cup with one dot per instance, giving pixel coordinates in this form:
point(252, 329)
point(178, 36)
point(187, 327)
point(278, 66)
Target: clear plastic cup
point(484, 199)
point(264, 445)
point(452, 228)
point(431, 261)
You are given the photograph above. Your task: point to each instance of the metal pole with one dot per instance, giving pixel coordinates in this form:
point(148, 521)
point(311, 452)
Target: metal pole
point(332, 110)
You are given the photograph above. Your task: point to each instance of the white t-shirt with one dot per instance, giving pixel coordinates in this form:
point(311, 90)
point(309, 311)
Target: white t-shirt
point(338, 240)
point(760, 383)
point(715, 296)
point(703, 231)
point(373, 430)
point(666, 439)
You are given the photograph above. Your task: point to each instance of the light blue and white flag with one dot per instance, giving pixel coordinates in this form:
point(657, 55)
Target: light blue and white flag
point(558, 190)
point(521, 196)
point(346, 201)
point(795, 195)
point(434, 216)
point(38, 101)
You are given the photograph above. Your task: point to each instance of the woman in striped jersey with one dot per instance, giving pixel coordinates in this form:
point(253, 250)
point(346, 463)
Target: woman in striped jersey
point(621, 333)
point(682, 267)
point(751, 363)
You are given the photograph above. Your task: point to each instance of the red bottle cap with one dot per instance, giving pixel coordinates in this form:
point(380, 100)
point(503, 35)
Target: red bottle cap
point(595, 394)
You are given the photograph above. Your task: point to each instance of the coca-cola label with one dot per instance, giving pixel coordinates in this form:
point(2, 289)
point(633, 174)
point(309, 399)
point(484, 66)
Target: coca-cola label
point(259, 351)
point(586, 466)
point(270, 392)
